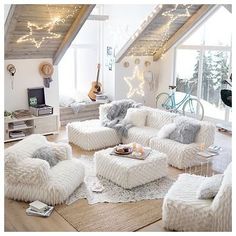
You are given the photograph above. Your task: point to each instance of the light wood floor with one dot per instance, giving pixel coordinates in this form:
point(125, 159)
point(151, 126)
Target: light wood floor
point(17, 220)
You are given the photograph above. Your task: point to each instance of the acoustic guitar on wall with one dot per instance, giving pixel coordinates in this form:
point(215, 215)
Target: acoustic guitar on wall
point(96, 86)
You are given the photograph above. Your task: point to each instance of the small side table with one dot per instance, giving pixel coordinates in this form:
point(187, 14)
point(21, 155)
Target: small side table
point(204, 167)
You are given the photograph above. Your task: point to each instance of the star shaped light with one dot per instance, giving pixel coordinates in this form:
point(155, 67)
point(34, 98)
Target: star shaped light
point(36, 32)
point(135, 83)
point(171, 14)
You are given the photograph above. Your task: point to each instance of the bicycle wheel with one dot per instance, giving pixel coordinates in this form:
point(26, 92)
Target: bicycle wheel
point(163, 101)
point(193, 108)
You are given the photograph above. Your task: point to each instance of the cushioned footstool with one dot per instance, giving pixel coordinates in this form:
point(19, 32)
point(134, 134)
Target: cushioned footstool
point(127, 172)
point(90, 135)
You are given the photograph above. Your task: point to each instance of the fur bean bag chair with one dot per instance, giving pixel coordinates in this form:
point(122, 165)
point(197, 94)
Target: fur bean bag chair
point(30, 179)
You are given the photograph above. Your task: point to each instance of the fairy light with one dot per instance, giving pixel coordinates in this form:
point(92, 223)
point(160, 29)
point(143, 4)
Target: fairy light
point(164, 33)
point(34, 31)
point(144, 23)
point(135, 83)
point(39, 33)
point(172, 18)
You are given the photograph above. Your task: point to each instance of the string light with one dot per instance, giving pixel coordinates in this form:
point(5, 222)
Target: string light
point(172, 17)
point(164, 32)
point(135, 83)
point(39, 33)
point(34, 31)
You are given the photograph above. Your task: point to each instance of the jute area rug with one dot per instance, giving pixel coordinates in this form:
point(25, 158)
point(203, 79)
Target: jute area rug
point(110, 212)
point(107, 217)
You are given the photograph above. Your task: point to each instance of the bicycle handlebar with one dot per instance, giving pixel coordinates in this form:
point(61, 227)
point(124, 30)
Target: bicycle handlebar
point(188, 81)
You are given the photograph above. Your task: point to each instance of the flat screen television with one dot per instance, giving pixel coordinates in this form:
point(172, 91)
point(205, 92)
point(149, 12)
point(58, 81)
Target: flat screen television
point(36, 97)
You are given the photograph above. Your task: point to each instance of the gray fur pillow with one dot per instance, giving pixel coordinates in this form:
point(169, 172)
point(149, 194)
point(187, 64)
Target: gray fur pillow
point(48, 154)
point(185, 132)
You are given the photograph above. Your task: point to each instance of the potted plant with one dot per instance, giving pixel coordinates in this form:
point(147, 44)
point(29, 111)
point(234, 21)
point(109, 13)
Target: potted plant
point(7, 114)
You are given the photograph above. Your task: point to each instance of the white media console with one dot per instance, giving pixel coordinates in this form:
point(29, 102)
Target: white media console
point(47, 124)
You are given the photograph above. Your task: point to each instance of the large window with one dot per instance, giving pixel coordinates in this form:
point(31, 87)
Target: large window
point(78, 67)
point(204, 60)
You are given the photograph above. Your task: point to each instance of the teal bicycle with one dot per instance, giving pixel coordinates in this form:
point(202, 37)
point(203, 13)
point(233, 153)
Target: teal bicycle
point(188, 106)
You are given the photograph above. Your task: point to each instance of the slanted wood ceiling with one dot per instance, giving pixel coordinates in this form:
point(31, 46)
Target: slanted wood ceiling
point(149, 41)
point(72, 17)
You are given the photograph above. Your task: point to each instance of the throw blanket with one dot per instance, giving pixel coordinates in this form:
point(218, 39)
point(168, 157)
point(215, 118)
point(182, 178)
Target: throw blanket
point(116, 114)
point(77, 106)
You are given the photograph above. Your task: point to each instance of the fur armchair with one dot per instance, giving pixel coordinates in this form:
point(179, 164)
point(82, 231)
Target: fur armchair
point(30, 179)
point(183, 211)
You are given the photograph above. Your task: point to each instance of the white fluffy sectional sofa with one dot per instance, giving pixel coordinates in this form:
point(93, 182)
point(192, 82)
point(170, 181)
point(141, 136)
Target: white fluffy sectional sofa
point(91, 135)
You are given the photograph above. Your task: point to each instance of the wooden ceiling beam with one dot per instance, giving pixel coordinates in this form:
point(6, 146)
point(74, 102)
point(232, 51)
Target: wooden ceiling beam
point(132, 41)
point(191, 22)
point(98, 17)
point(228, 7)
point(72, 32)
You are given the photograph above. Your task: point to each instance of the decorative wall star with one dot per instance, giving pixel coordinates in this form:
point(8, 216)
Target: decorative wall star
point(38, 34)
point(135, 83)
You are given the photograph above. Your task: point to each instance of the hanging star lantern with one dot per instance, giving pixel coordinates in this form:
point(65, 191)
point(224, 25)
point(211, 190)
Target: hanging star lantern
point(38, 34)
point(135, 83)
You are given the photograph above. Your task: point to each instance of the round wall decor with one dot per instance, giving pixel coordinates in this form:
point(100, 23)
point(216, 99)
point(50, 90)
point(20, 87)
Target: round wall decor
point(147, 63)
point(126, 64)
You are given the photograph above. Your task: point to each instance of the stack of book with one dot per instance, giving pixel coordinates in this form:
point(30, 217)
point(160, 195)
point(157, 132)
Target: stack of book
point(16, 134)
point(102, 98)
point(19, 125)
point(213, 150)
point(22, 113)
point(38, 208)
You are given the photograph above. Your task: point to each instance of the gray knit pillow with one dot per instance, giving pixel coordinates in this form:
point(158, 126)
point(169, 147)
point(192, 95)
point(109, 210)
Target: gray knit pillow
point(185, 132)
point(48, 154)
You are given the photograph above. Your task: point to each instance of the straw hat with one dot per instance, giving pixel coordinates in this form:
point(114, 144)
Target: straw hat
point(46, 70)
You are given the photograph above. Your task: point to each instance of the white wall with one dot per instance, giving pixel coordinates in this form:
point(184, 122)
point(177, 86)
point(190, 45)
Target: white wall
point(92, 42)
point(27, 76)
point(80, 61)
point(163, 72)
point(122, 89)
point(123, 21)
point(166, 70)
point(6, 10)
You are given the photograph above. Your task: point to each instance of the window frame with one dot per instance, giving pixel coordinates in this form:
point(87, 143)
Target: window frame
point(202, 49)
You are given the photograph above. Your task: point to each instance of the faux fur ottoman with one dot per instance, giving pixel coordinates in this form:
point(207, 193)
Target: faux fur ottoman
point(90, 135)
point(127, 172)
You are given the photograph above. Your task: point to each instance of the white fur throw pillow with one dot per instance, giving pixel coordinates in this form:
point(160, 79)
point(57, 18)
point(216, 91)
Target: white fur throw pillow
point(166, 130)
point(210, 187)
point(136, 117)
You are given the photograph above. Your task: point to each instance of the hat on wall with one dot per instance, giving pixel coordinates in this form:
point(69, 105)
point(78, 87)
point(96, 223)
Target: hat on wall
point(46, 70)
